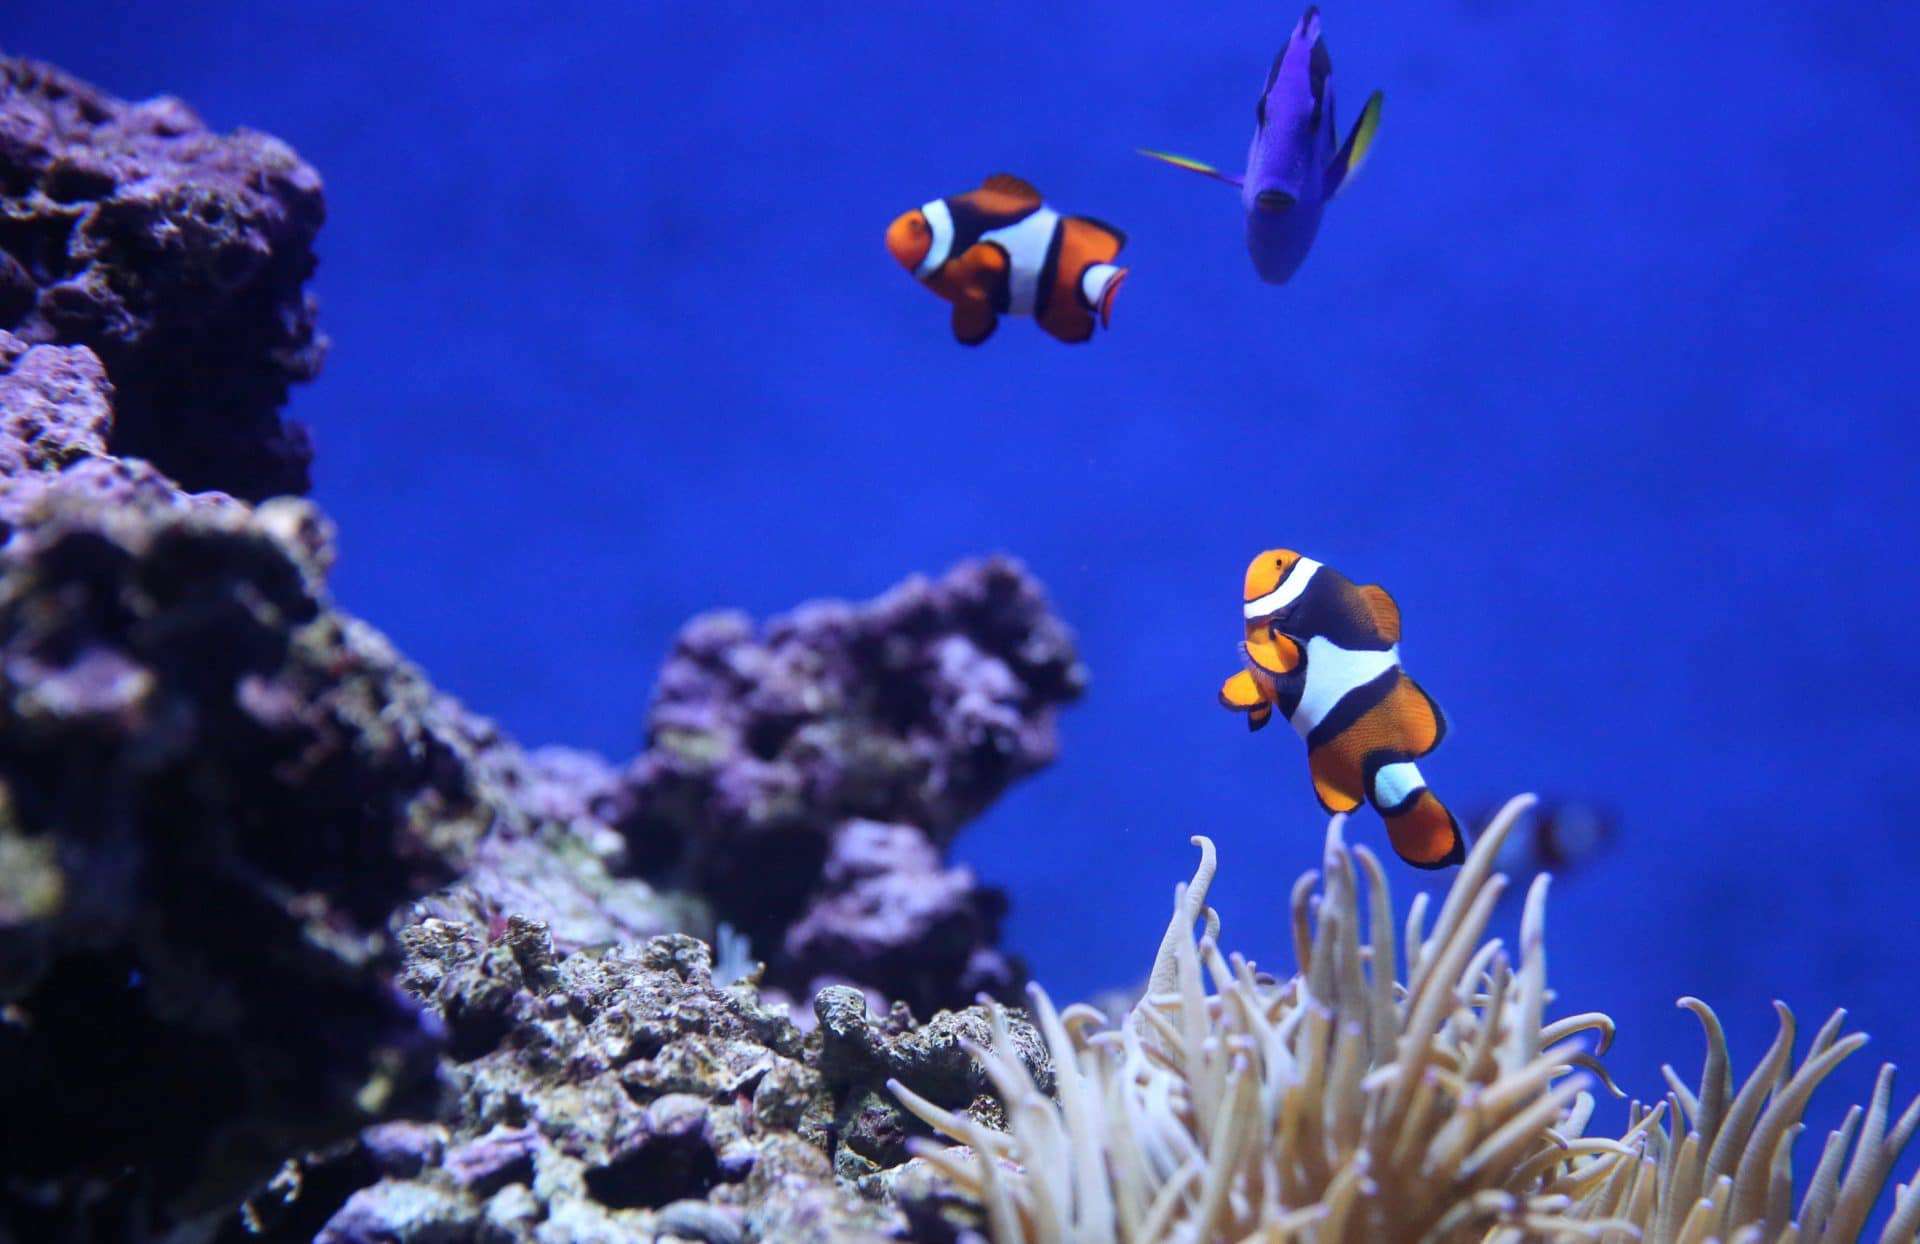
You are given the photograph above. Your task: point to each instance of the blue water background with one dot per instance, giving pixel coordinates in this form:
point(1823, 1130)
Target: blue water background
point(1606, 368)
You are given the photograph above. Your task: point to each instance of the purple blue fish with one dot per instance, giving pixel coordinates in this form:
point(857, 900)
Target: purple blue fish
point(1293, 167)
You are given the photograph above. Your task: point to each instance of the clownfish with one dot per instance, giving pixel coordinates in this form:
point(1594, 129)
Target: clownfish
point(1325, 653)
point(1000, 250)
point(1293, 168)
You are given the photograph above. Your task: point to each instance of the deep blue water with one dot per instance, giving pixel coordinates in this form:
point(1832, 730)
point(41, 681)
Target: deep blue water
point(1605, 368)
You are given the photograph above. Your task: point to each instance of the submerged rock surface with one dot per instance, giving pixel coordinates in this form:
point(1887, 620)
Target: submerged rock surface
point(269, 900)
point(179, 257)
point(626, 1095)
point(807, 775)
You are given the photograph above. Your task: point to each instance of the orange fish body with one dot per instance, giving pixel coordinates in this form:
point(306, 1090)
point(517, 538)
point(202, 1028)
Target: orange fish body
point(1000, 250)
point(1324, 652)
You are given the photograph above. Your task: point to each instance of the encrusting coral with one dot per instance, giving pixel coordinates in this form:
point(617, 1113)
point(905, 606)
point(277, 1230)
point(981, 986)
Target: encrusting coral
point(1352, 1103)
point(179, 257)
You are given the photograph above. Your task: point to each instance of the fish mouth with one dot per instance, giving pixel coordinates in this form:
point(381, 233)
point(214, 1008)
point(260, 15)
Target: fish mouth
point(1275, 201)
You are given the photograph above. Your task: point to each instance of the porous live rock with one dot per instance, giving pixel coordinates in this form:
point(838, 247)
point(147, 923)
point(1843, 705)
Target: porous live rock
point(616, 1095)
point(55, 406)
point(179, 257)
point(807, 774)
point(215, 790)
point(220, 798)
point(56, 419)
point(860, 1054)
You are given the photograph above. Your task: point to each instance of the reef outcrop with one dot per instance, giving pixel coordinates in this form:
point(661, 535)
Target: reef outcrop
point(628, 1095)
point(270, 899)
point(179, 257)
point(807, 775)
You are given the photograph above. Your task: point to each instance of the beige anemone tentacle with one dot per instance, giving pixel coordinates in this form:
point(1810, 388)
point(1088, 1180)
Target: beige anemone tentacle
point(1405, 1085)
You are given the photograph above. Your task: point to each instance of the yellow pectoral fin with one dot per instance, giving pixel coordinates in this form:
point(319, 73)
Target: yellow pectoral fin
point(1259, 717)
point(1272, 651)
point(1241, 693)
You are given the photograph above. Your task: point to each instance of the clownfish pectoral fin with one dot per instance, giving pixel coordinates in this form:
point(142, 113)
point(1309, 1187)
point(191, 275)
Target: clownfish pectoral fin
point(1272, 651)
point(1259, 717)
point(1424, 833)
point(1336, 791)
point(1386, 614)
point(973, 321)
point(1353, 152)
point(1018, 187)
point(1192, 166)
point(1241, 693)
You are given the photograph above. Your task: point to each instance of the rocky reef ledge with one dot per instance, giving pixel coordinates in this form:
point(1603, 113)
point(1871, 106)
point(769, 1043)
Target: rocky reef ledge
point(293, 944)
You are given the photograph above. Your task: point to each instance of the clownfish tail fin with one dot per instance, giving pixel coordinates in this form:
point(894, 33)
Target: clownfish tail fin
point(1424, 833)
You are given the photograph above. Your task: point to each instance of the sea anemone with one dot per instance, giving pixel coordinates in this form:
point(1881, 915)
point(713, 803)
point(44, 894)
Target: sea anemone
point(1352, 1103)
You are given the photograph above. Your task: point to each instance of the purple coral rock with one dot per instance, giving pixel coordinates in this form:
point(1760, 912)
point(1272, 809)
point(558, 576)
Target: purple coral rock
point(402, 1148)
point(917, 709)
point(179, 256)
point(889, 914)
point(233, 806)
point(55, 406)
point(500, 1157)
point(393, 1211)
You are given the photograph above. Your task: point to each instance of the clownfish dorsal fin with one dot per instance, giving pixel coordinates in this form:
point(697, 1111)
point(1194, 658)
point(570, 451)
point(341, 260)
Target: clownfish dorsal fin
point(1113, 232)
point(1019, 187)
point(1427, 724)
point(1386, 614)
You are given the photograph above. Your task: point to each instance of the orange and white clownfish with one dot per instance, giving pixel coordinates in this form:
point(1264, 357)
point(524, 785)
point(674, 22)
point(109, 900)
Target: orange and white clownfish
point(1325, 653)
point(1000, 250)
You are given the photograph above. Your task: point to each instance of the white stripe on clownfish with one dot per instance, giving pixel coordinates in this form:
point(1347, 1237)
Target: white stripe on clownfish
point(940, 222)
point(1026, 242)
point(1332, 672)
point(1094, 282)
point(1288, 591)
point(1396, 783)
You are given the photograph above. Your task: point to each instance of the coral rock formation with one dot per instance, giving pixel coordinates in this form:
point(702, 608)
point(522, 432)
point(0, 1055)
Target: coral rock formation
point(215, 791)
point(625, 1095)
point(179, 257)
point(221, 798)
point(805, 775)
